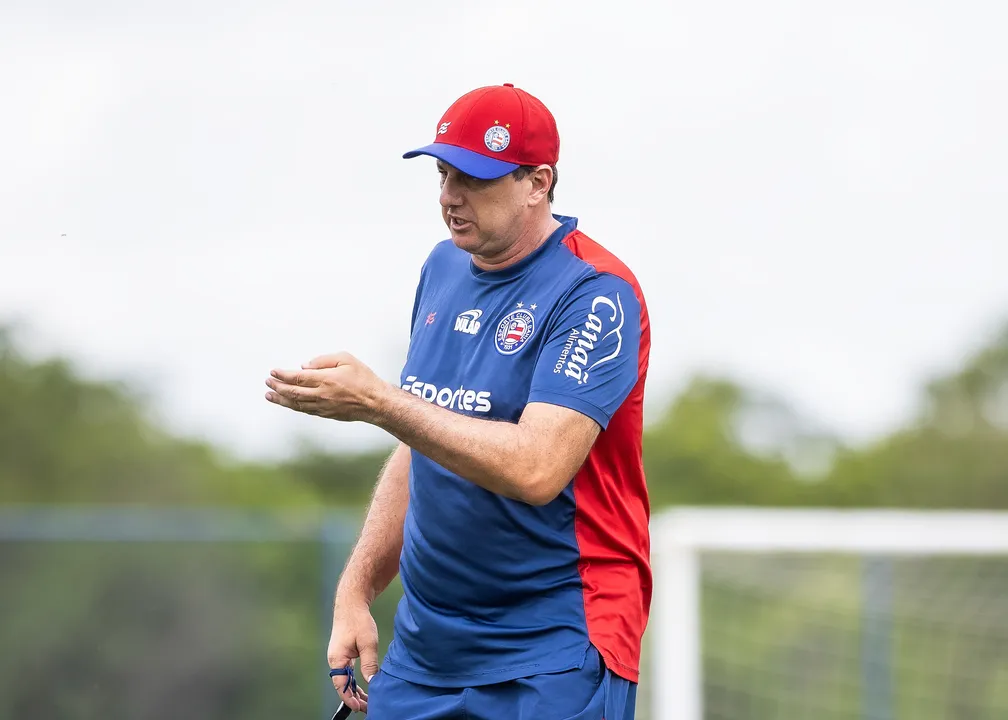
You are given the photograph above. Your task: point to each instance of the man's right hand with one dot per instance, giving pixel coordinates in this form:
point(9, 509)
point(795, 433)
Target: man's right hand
point(354, 635)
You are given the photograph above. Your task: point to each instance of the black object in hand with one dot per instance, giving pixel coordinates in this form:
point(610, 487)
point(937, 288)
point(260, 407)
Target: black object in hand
point(342, 712)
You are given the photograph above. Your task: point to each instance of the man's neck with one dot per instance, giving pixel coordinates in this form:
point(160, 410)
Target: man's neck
point(531, 239)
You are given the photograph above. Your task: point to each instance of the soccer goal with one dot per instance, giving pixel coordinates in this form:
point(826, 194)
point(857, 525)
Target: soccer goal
point(764, 614)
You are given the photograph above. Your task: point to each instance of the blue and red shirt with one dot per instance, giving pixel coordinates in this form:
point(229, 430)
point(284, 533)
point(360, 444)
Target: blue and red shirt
point(494, 588)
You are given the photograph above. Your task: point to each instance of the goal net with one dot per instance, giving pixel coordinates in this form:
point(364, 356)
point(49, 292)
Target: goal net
point(828, 615)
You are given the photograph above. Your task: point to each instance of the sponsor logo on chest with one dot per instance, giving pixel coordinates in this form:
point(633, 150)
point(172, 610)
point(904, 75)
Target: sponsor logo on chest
point(460, 397)
point(468, 322)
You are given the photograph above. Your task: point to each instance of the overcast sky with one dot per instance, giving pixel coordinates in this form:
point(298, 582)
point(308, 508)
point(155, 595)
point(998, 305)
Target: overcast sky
point(812, 194)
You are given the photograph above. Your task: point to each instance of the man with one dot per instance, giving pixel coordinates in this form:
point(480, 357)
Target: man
point(515, 508)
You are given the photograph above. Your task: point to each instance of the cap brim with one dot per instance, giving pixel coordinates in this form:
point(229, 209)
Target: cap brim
point(469, 162)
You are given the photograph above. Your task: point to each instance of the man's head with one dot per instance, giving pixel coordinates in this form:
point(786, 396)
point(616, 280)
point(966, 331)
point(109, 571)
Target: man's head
point(497, 149)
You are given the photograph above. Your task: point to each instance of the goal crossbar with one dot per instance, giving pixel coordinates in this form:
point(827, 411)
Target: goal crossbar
point(842, 531)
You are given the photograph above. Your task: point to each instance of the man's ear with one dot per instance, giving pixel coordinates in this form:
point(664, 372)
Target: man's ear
point(542, 180)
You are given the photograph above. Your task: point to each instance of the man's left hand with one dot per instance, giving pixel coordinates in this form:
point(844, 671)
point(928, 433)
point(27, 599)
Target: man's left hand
point(338, 386)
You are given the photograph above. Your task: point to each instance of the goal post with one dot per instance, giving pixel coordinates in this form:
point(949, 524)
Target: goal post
point(766, 614)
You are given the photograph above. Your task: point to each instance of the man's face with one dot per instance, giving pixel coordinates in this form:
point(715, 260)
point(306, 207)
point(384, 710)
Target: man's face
point(484, 216)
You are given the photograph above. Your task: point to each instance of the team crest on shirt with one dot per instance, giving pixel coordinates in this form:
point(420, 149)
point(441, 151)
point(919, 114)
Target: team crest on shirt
point(497, 138)
point(514, 330)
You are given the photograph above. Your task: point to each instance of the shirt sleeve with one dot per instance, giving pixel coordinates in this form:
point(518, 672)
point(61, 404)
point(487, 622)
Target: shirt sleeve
point(589, 361)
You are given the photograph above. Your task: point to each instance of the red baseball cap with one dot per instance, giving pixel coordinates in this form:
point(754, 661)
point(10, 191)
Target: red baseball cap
point(490, 131)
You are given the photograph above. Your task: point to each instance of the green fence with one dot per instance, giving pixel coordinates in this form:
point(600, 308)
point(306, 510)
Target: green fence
point(130, 613)
point(134, 613)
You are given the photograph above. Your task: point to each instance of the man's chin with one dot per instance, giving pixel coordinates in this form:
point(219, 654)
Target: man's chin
point(468, 241)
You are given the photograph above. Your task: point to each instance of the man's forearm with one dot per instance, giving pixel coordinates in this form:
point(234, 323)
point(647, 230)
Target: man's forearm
point(374, 561)
point(501, 457)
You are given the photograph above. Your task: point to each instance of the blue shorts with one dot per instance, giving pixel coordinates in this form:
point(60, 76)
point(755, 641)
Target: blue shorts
point(592, 692)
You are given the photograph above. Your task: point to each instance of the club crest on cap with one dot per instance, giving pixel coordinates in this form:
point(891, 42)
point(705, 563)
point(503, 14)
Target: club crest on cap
point(497, 138)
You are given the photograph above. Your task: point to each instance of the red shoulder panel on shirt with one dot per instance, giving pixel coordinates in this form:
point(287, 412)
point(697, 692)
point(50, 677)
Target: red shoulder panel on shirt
point(613, 509)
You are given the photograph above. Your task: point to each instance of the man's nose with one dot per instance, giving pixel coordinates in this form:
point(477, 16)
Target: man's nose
point(450, 193)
